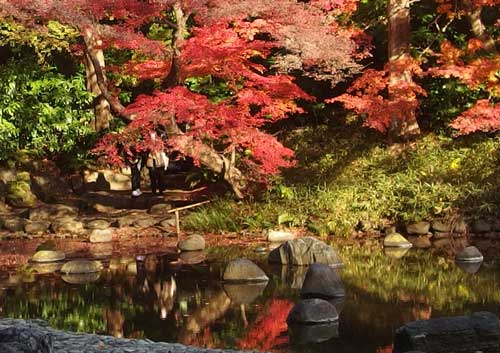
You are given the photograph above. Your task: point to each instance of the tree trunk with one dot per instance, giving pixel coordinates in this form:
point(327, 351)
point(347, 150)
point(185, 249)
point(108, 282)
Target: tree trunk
point(477, 26)
point(102, 110)
point(189, 146)
point(404, 123)
point(173, 78)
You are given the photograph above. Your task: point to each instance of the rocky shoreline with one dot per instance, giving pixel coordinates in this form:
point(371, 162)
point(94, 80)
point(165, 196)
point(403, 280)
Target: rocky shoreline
point(35, 336)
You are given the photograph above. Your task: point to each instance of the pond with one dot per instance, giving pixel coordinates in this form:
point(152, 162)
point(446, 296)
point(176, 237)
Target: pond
point(160, 299)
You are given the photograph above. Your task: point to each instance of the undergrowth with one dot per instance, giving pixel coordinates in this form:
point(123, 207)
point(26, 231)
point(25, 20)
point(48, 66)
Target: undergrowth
point(346, 176)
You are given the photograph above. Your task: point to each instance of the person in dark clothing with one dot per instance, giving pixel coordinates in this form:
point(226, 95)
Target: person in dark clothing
point(157, 163)
point(136, 164)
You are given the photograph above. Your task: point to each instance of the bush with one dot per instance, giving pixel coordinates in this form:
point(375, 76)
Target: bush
point(41, 110)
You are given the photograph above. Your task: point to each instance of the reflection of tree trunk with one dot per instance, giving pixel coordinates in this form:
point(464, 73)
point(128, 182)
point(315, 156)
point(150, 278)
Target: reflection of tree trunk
point(477, 26)
point(114, 322)
point(102, 109)
point(204, 316)
point(244, 315)
point(404, 124)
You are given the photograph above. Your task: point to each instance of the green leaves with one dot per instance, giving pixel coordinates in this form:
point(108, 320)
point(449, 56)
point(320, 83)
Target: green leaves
point(41, 110)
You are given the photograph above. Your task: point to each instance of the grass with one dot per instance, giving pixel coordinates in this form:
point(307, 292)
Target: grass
point(345, 176)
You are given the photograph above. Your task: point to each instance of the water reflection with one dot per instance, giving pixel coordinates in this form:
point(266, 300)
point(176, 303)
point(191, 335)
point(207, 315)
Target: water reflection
point(183, 300)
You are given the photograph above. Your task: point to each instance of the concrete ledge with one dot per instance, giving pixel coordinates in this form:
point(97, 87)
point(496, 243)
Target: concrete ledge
point(35, 336)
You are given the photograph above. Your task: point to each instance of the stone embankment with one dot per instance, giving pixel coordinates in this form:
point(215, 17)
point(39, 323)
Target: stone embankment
point(21, 336)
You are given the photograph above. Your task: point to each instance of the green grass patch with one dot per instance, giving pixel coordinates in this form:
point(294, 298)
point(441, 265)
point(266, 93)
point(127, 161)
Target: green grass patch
point(347, 176)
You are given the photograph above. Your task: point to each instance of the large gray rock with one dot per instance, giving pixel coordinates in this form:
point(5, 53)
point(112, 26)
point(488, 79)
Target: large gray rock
point(322, 282)
point(305, 251)
point(81, 266)
point(312, 311)
point(479, 332)
point(418, 228)
point(243, 270)
point(23, 340)
point(193, 242)
point(48, 256)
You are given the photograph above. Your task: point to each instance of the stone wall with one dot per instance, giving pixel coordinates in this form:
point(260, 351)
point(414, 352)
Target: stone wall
point(34, 336)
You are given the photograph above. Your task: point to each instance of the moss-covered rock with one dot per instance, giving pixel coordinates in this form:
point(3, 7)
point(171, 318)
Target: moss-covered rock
point(19, 192)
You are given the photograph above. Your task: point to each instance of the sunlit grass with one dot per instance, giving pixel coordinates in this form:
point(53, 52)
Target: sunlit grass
point(344, 178)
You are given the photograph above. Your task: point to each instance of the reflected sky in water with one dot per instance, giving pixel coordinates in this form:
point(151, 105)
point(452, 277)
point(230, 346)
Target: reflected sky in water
point(167, 299)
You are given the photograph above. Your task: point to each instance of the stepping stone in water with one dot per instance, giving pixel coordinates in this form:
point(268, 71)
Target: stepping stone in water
point(396, 240)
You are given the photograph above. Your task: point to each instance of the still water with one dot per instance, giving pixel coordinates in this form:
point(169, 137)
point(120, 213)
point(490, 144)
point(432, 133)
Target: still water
point(163, 299)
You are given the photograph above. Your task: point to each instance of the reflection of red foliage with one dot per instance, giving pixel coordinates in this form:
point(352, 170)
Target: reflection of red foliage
point(385, 349)
point(265, 332)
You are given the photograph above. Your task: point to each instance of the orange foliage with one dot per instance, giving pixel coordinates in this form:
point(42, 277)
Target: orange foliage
point(369, 94)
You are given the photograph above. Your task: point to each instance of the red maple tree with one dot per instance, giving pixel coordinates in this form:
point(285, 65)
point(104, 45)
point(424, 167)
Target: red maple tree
point(228, 40)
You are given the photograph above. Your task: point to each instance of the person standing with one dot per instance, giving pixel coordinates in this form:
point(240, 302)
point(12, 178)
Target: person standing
point(136, 163)
point(157, 164)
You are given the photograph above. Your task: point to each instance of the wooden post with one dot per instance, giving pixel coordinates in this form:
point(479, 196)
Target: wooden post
point(177, 217)
point(177, 224)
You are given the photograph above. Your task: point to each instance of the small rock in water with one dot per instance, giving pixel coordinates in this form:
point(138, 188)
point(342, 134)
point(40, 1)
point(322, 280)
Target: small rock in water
point(305, 333)
point(46, 245)
point(396, 253)
point(396, 240)
point(470, 254)
point(421, 242)
point(81, 278)
point(98, 224)
point(243, 270)
point(469, 267)
point(322, 282)
point(244, 293)
point(81, 266)
point(101, 236)
point(48, 256)
point(192, 257)
point(194, 242)
point(279, 236)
